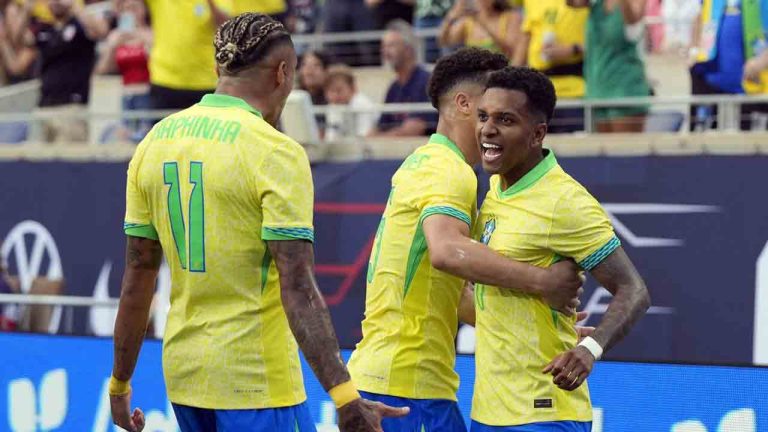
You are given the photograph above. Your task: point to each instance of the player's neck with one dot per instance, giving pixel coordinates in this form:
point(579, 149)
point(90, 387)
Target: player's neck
point(463, 136)
point(516, 173)
point(258, 101)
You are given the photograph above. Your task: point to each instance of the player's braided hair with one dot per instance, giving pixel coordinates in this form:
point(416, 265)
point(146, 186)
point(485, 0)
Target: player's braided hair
point(245, 40)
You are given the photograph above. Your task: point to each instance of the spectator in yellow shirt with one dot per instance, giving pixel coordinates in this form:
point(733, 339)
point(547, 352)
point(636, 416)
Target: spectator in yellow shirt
point(553, 42)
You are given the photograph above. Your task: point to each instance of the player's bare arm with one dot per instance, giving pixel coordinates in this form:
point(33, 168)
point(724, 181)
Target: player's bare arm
point(311, 325)
point(306, 311)
point(630, 302)
point(142, 263)
point(451, 250)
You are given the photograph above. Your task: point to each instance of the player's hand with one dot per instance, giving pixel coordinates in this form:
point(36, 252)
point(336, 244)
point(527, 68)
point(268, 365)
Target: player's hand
point(121, 413)
point(571, 368)
point(560, 286)
point(583, 331)
point(362, 415)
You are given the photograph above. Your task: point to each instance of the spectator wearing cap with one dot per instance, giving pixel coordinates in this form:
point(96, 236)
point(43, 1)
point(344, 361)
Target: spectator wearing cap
point(398, 52)
point(358, 119)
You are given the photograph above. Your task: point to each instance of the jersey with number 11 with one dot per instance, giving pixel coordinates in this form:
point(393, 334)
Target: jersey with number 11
point(212, 183)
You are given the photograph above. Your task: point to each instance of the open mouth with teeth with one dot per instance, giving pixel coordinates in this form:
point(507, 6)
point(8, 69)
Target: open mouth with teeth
point(491, 152)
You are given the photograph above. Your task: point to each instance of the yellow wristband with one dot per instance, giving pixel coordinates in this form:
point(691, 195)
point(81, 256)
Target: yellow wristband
point(118, 388)
point(343, 394)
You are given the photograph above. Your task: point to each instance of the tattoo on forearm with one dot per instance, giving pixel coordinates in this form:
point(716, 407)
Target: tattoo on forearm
point(142, 262)
point(307, 313)
point(630, 302)
point(143, 253)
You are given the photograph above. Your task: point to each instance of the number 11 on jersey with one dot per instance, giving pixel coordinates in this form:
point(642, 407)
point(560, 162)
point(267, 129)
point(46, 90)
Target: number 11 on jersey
point(196, 215)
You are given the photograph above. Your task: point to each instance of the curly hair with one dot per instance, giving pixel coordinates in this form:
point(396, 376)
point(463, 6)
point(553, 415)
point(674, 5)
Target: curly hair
point(244, 40)
point(536, 86)
point(466, 64)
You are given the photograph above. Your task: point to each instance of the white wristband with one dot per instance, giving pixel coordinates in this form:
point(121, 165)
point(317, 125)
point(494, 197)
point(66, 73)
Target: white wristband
point(592, 346)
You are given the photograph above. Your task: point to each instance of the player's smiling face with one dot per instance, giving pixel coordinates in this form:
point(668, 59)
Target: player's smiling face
point(506, 130)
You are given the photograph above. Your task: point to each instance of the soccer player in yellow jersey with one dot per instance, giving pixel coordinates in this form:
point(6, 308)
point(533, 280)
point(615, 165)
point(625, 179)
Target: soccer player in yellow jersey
point(422, 255)
point(229, 199)
point(536, 213)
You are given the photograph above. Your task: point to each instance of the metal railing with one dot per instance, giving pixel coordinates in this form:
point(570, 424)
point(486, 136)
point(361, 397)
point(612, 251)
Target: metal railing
point(728, 110)
point(56, 300)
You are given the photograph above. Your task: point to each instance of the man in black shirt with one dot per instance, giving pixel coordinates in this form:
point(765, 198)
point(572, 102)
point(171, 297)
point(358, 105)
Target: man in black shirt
point(65, 51)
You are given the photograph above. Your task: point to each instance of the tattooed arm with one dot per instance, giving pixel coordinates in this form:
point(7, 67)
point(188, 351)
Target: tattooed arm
point(630, 302)
point(311, 326)
point(306, 311)
point(630, 298)
point(142, 263)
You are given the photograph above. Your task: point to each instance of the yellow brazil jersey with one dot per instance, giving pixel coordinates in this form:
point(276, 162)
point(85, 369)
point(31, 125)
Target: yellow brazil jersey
point(546, 215)
point(182, 54)
point(212, 183)
point(411, 308)
point(269, 7)
point(553, 21)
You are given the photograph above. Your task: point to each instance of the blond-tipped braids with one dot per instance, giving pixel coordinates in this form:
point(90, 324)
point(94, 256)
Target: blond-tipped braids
point(240, 41)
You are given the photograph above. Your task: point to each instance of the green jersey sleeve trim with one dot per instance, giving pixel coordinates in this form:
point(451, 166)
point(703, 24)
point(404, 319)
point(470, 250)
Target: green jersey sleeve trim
point(599, 255)
point(448, 211)
point(140, 230)
point(531, 177)
point(288, 234)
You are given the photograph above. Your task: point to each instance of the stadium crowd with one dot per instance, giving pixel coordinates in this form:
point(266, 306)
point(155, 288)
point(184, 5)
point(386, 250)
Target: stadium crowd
point(591, 49)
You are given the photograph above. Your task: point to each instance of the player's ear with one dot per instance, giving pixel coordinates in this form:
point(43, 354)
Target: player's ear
point(282, 73)
point(463, 103)
point(539, 132)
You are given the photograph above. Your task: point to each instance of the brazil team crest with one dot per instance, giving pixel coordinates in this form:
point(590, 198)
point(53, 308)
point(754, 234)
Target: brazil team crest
point(490, 227)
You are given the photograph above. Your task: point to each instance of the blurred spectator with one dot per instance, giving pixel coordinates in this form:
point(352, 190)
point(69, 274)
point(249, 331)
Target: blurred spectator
point(398, 52)
point(612, 65)
point(66, 51)
point(19, 13)
point(489, 24)
point(730, 55)
point(349, 16)
point(386, 11)
point(313, 69)
point(679, 17)
point(654, 30)
point(181, 65)
point(553, 42)
point(302, 18)
point(429, 14)
point(340, 90)
point(127, 51)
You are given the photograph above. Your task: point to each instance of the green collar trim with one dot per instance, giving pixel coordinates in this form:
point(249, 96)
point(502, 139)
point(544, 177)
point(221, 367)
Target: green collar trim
point(445, 141)
point(226, 101)
point(531, 177)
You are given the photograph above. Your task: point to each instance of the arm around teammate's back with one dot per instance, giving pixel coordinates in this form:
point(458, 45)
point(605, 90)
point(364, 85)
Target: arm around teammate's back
point(286, 193)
